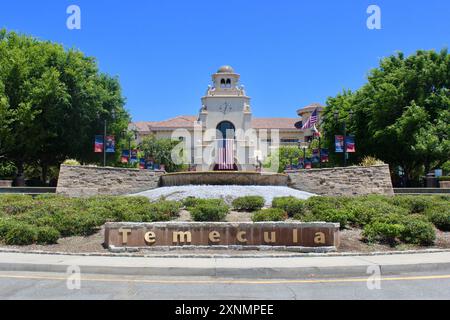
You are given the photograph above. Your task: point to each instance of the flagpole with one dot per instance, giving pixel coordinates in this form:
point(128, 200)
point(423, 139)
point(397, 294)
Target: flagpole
point(104, 144)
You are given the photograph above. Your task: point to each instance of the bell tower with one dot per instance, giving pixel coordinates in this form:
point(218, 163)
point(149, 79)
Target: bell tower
point(226, 102)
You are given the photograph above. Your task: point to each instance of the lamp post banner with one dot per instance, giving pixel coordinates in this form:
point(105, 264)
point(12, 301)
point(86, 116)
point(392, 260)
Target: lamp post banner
point(339, 142)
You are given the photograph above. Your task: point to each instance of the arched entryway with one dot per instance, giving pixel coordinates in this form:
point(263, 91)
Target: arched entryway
point(225, 151)
point(227, 130)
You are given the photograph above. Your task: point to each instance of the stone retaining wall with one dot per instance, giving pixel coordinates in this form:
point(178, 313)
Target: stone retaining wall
point(81, 181)
point(223, 178)
point(349, 181)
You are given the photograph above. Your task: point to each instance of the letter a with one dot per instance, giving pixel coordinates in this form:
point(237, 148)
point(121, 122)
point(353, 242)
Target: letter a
point(74, 20)
point(319, 238)
point(374, 20)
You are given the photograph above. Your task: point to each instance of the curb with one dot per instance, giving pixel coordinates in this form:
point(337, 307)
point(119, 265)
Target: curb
point(269, 268)
point(245, 273)
point(167, 254)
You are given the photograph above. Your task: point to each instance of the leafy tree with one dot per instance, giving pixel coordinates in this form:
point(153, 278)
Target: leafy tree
point(287, 155)
point(161, 151)
point(401, 115)
point(52, 103)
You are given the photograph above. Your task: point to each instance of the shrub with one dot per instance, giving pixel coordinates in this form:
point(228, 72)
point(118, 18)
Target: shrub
point(370, 161)
point(440, 218)
point(383, 232)
point(164, 210)
point(191, 202)
point(21, 234)
point(362, 212)
point(47, 235)
point(271, 214)
point(249, 203)
point(415, 204)
point(209, 212)
point(5, 226)
point(73, 224)
point(417, 231)
point(71, 162)
point(290, 205)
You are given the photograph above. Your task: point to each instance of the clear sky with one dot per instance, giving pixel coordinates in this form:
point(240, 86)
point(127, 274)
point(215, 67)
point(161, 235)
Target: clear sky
point(289, 53)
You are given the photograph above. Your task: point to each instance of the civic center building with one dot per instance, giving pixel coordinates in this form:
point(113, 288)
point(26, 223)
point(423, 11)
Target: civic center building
point(226, 129)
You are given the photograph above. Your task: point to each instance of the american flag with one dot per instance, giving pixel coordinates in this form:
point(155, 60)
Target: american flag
point(311, 121)
point(225, 154)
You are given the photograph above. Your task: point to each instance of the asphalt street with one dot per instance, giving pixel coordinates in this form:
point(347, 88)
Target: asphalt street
point(25, 285)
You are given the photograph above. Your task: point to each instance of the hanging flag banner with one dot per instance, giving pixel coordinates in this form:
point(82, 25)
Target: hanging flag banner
point(339, 142)
point(110, 144)
point(134, 156)
point(125, 156)
point(142, 163)
point(308, 163)
point(149, 164)
point(316, 156)
point(98, 144)
point(351, 145)
point(324, 156)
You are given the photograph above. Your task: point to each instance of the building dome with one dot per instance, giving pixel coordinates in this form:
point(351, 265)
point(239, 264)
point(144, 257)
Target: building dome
point(225, 69)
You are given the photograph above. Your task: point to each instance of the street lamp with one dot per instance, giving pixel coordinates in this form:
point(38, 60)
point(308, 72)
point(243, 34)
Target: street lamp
point(348, 118)
point(304, 146)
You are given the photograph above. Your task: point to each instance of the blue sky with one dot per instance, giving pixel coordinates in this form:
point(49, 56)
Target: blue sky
point(289, 53)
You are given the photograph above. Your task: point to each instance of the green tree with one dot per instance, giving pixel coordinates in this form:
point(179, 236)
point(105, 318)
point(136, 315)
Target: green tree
point(161, 151)
point(52, 103)
point(401, 115)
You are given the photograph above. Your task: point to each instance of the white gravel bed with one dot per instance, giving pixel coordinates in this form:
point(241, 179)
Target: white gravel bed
point(228, 193)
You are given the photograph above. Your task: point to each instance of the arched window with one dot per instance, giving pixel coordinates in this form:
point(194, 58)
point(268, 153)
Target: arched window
point(227, 130)
point(222, 83)
point(228, 84)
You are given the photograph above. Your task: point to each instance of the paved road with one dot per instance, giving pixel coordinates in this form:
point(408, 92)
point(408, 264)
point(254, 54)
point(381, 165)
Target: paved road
point(21, 285)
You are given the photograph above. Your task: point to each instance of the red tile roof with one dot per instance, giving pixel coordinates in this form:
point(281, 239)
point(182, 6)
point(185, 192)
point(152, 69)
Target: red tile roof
point(188, 122)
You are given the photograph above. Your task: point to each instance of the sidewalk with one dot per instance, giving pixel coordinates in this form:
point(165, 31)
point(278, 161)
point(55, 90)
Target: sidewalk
point(232, 267)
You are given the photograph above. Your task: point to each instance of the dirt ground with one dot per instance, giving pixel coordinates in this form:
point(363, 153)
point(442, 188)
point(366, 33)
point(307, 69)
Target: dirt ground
point(350, 241)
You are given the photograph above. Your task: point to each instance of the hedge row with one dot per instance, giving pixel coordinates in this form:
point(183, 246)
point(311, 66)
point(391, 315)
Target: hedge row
point(44, 219)
point(407, 219)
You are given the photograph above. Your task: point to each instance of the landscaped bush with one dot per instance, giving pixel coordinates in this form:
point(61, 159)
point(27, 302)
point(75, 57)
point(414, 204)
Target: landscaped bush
point(165, 210)
point(370, 161)
point(417, 231)
point(340, 216)
point(383, 232)
point(47, 235)
point(415, 204)
point(209, 212)
point(71, 162)
point(271, 214)
point(249, 203)
point(21, 234)
point(291, 205)
point(440, 218)
point(191, 202)
point(363, 211)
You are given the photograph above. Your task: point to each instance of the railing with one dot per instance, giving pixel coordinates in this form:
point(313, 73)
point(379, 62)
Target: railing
point(27, 190)
point(421, 191)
